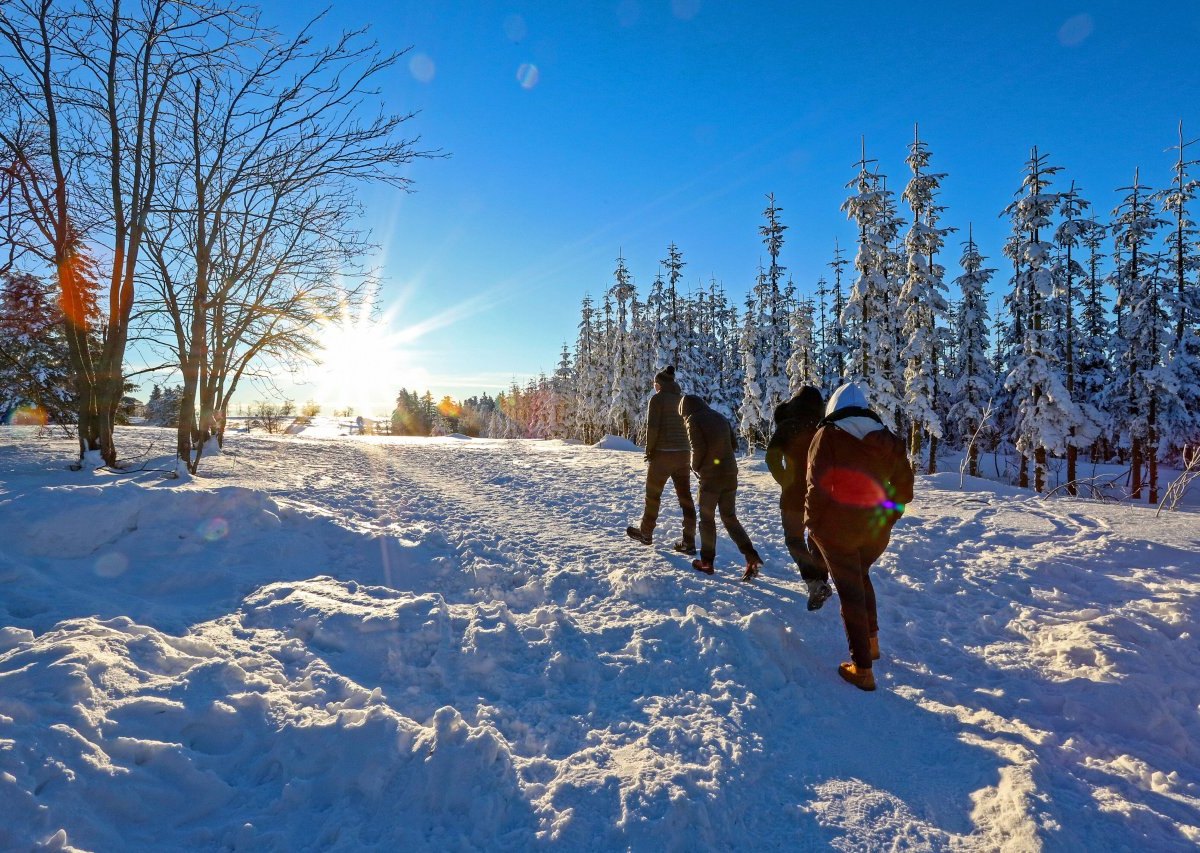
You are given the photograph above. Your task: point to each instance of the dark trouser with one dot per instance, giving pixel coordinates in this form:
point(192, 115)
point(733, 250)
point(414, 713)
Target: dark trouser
point(720, 496)
point(850, 568)
point(806, 555)
point(670, 465)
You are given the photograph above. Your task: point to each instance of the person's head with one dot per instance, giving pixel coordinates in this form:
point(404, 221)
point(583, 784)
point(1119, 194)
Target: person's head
point(848, 396)
point(689, 404)
point(807, 404)
point(664, 377)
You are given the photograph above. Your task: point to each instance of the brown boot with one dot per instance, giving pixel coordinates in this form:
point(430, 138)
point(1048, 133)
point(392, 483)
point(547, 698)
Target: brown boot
point(863, 679)
point(874, 647)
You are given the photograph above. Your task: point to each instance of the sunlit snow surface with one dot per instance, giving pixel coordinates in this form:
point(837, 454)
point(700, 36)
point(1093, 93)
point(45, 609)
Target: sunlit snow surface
point(336, 643)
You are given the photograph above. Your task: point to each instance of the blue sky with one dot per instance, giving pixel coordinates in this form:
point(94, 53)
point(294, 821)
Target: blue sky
point(652, 121)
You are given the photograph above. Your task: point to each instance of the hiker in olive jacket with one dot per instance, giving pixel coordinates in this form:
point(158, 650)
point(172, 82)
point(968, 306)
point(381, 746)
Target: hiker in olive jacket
point(713, 441)
point(796, 423)
point(667, 452)
point(859, 482)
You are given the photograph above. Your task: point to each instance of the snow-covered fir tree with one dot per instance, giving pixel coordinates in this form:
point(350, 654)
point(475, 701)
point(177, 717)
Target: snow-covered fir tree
point(624, 409)
point(1093, 369)
point(753, 415)
point(1180, 417)
point(922, 305)
point(1045, 413)
point(803, 367)
point(972, 379)
point(162, 409)
point(1143, 330)
point(592, 382)
point(869, 315)
point(1068, 273)
point(835, 348)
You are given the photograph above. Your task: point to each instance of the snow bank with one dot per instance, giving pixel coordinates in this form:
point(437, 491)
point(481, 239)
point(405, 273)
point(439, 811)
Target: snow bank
point(615, 442)
point(345, 645)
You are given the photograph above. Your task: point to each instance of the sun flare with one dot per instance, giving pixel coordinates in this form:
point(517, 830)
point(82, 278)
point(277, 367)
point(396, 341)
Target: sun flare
point(363, 364)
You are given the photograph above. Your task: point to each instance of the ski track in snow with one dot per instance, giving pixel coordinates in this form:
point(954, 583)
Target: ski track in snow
point(448, 644)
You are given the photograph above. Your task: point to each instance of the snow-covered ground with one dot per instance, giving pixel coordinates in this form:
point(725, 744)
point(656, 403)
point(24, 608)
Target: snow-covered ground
point(326, 642)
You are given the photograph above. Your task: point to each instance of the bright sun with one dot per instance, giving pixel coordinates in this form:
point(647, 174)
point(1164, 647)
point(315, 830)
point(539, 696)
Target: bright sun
point(363, 366)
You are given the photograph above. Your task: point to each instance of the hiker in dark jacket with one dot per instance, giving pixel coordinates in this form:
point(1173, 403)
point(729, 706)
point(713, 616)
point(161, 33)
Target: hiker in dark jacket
point(712, 441)
point(667, 453)
point(787, 458)
point(859, 482)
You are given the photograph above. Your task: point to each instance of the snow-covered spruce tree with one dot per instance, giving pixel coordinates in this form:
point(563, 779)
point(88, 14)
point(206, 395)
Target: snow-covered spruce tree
point(641, 364)
point(564, 394)
point(803, 367)
point(775, 303)
point(922, 304)
point(162, 409)
point(1180, 418)
point(869, 311)
point(624, 410)
point(731, 381)
point(972, 380)
point(753, 414)
point(33, 352)
point(1093, 370)
point(674, 331)
point(1045, 413)
point(592, 382)
point(834, 352)
point(1144, 331)
point(1068, 272)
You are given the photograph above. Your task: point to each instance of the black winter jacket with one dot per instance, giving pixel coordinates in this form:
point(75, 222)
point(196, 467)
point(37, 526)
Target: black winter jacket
point(712, 440)
point(796, 423)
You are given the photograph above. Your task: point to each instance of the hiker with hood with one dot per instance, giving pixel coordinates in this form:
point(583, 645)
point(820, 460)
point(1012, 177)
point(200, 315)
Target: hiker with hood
point(712, 441)
point(796, 423)
point(667, 453)
point(859, 482)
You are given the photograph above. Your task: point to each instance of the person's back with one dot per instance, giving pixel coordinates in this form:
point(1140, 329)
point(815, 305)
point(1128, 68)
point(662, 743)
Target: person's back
point(664, 424)
point(711, 439)
point(859, 482)
point(859, 477)
point(796, 422)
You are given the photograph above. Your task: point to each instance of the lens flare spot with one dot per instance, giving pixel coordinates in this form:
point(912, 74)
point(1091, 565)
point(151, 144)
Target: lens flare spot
point(514, 28)
point(1075, 30)
point(28, 416)
point(527, 75)
point(112, 565)
point(214, 529)
point(685, 10)
point(422, 68)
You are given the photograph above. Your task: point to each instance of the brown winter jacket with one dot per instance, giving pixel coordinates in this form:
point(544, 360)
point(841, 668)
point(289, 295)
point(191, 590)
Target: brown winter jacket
point(796, 423)
point(712, 441)
point(664, 425)
point(857, 487)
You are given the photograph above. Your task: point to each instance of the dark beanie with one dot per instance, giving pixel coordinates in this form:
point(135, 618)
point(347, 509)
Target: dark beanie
point(667, 374)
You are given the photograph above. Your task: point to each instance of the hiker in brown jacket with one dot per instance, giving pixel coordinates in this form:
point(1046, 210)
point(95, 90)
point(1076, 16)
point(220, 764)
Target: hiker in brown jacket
point(859, 482)
point(667, 453)
point(712, 441)
point(796, 423)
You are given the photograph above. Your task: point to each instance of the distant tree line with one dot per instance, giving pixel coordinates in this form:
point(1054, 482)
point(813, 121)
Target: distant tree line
point(1095, 353)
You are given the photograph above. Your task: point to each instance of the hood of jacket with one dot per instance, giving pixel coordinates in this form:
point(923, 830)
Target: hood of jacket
point(848, 411)
point(807, 404)
point(690, 405)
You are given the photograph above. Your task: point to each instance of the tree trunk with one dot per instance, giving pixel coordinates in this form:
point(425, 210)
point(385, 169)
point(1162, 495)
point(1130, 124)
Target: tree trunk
point(933, 445)
point(1039, 470)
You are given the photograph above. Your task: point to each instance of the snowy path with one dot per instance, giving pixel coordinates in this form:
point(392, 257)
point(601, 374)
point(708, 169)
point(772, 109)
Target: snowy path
point(449, 644)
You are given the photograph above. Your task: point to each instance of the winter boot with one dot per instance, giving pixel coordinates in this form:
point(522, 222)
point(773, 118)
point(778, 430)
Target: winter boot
point(874, 647)
point(863, 679)
point(686, 546)
point(753, 564)
point(636, 533)
point(818, 593)
point(703, 566)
